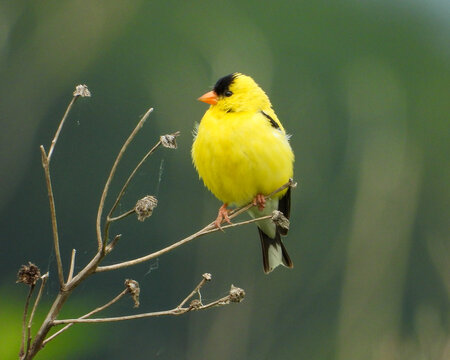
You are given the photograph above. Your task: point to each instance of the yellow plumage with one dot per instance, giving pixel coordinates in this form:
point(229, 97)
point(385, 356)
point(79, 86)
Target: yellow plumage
point(240, 148)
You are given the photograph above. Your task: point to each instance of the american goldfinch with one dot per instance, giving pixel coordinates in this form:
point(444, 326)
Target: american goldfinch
point(242, 153)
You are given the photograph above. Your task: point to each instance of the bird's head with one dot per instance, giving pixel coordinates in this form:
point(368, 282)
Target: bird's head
point(235, 93)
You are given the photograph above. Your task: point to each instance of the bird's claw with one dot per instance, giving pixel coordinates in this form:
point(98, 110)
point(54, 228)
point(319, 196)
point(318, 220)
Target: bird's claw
point(260, 202)
point(222, 216)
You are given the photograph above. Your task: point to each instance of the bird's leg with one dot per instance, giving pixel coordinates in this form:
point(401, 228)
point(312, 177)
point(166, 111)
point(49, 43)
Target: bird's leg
point(222, 215)
point(260, 201)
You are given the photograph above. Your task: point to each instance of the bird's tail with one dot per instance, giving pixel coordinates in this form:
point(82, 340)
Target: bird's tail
point(273, 251)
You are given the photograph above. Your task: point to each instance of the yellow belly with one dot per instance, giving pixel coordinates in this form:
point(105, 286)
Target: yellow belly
point(240, 156)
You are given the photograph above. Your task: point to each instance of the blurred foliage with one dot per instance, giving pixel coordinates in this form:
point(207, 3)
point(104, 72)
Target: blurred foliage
point(362, 87)
point(78, 344)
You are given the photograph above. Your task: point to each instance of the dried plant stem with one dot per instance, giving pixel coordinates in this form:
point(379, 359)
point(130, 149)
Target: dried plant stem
point(95, 311)
point(101, 244)
point(36, 302)
point(72, 265)
point(235, 212)
point(112, 244)
point(206, 277)
point(38, 298)
point(127, 182)
point(239, 224)
point(51, 200)
point(210, 228)
point(55, 138)
point(24, 322)
point(176, 311)
point(121, 216)
point(179, 310)
point(110, 219)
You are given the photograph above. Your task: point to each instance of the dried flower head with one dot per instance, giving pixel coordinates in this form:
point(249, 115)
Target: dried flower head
point(28, 274)
point(236, 294)
point(207, 276)
point(144, 207)
point(82, 90)
point(280, 220)
point(134, 289)
point(169, 141)
point(292, 183)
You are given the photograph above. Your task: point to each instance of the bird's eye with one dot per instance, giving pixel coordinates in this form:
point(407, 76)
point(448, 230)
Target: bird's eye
point(228, 93)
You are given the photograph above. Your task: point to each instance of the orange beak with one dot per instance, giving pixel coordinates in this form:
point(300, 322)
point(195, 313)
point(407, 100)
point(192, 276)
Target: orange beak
point(209, 98)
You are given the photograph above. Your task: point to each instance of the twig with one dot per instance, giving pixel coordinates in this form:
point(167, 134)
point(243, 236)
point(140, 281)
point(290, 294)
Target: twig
point(121, 216)
point(112, 244)
point(72, 265)
point(210, 228)
point(36, 302)
point(175, 311)
point(235, 295)
point(125, 186)
point(51, 201)
point(24, 322)
point(127, 182)
point(55, 138)
point(223, 227)
point(101, 244)
point(95, 311)
point(206, 277)
point(233, 213)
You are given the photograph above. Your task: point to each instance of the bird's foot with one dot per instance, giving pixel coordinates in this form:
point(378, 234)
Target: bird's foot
point(222, 216)
point(260, 201)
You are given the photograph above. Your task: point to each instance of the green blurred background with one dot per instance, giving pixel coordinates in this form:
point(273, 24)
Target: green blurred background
point(362, 86)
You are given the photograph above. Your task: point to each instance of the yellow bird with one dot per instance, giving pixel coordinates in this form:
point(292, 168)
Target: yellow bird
point(242, 153)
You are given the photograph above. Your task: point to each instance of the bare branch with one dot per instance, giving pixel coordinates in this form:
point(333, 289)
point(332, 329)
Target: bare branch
point(157, 253)
point(80, 90)
point(101, 244)
point(55, 138)
point(112, 244)
point(127, 182)
point(235, 295)
point(242, 209)
point(210, 228)
point(206, 277)
point(24, 322)
point(36, 302)
point(121, 216)
point(51, 200)
point(72, 265)
point(176, 311)
point(239, 223)
point(44, 279)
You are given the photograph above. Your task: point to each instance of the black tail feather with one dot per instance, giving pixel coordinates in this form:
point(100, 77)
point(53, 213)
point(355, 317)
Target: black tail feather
point(266, 242)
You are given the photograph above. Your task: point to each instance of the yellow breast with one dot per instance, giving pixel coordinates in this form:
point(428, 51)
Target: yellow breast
point(240, 155)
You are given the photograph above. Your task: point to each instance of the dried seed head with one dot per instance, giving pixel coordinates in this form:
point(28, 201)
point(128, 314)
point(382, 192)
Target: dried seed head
point(292, 183)
point(169, 141)
point(28, 274)
point(144, 207)
point(195, 304)
point(207, 276)
point(82, 90)
point(236, 294)
point(134, 289)
point(280, 220)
